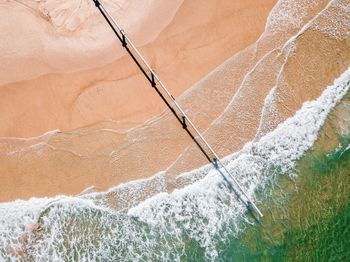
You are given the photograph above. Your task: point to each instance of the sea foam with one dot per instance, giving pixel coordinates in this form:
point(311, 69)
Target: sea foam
point(214, 206)
point(205, 213)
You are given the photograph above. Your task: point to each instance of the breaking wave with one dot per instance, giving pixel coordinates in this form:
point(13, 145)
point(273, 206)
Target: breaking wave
point(194, 222)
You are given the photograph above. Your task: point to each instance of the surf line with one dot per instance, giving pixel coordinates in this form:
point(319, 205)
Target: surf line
point(183, 118)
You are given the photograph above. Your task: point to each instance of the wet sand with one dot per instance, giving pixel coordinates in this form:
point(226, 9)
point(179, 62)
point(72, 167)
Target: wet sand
point(229, 104)
point(94, 93)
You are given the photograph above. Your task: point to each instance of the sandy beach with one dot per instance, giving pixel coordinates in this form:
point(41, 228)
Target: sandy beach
point(235, 70)
point(95, 167)
point(74, 77)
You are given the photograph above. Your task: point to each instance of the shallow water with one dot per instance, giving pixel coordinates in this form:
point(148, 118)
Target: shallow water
point(304, 198)
point(307, 218)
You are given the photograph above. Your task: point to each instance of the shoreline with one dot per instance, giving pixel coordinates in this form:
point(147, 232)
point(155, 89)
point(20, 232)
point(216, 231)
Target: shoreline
point(42, 166)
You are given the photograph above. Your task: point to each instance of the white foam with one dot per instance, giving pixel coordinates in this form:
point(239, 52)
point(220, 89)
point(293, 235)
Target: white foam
point(215, 207)
point(16, 221)
point(205, 212)
point(288, 14)
point(46, 135)
point(335, 21)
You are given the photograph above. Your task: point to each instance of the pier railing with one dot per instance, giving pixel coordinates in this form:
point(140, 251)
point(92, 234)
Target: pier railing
point(181, 116)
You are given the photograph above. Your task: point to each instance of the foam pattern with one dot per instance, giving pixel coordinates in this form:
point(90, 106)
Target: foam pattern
point(200, 216)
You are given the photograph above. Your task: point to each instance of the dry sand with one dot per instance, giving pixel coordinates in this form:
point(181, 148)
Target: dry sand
point(229, 104)
point(73, 76)
point(58, 95)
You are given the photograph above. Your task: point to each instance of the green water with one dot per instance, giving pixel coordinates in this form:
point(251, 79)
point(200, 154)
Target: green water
point(308, 218)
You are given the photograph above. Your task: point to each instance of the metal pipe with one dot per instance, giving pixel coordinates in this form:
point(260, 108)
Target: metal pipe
point(126, 40)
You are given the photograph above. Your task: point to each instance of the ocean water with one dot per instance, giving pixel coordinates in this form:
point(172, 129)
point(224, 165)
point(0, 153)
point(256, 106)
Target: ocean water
point(298, 175)
point(306, 218)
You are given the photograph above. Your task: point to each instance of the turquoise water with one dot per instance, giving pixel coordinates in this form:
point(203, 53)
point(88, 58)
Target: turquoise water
point(301, 184)
point(306, 219)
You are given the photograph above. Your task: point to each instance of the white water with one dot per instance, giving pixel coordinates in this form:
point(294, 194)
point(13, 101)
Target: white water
point(206, 212)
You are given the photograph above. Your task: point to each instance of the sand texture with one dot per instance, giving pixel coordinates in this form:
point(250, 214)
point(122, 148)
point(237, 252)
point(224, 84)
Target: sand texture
point(239, 68)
